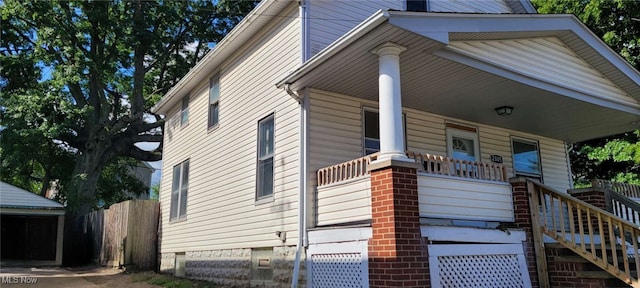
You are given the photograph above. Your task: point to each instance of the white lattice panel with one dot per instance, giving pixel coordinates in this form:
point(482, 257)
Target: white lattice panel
point(492, 266)
point(480, 271)
point(342, 264)
point(337, 270)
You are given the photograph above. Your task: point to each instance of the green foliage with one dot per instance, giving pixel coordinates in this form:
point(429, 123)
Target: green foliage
point(155, 191)
point(609, 19)
point(615, 158)
point(79, 79)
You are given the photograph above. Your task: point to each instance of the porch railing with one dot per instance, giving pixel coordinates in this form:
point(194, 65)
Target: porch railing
point(441, 165)
point(345, 170)
point(600, 237)
point(431, 164)
point(626, 189)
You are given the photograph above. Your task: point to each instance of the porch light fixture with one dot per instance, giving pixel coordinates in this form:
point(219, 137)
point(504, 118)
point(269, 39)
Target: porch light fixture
point(504, 110)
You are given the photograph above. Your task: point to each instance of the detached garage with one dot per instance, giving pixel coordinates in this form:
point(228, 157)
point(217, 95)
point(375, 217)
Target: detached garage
point(32, 228)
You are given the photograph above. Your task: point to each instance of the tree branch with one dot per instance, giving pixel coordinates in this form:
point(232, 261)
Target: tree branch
point(139, 154)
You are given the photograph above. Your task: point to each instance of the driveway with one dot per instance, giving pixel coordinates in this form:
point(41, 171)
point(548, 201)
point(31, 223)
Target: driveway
point(56, 277)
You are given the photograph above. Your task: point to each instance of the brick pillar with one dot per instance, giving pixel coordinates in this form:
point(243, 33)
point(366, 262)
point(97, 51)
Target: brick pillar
point(522, 215)
point(397, 252)
point(596, 197)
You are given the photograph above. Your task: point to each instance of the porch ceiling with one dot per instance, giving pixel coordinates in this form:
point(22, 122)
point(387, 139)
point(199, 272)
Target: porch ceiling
point(435, 84)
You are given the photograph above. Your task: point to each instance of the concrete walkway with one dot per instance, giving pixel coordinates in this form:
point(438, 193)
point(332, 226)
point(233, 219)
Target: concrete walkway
point(52, 277)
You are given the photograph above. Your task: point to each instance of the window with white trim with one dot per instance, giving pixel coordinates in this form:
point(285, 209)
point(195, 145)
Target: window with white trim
point(463, 144)
point(179, 189)
point(264, 185)
point(184, 112)
point(526, 158)
point(371, 130)
point(214, 96)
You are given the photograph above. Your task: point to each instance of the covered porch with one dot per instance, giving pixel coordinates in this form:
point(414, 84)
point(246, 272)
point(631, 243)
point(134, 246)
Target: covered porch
point(439, 153)
point(559, 81)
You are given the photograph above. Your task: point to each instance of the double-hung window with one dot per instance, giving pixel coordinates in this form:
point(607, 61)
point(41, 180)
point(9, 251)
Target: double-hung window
point(526, 158)
point(371, 132)
point(371, 128)
point(179, 189)
point(214, 96)
point(184, 112)
point(264, 185)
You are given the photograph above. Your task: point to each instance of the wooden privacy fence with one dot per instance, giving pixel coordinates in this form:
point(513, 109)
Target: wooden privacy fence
point(126, 234)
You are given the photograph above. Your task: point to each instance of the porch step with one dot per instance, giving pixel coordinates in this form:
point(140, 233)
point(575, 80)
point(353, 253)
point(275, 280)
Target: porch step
point(564, 265)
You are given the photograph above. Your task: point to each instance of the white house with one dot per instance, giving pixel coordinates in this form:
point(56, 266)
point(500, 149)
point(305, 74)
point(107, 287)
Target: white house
point(335, 143)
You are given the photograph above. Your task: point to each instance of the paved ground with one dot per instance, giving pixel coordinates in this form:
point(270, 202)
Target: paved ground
point(55, 277)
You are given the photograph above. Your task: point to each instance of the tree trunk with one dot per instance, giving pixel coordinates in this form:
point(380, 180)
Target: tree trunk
point(81, 195)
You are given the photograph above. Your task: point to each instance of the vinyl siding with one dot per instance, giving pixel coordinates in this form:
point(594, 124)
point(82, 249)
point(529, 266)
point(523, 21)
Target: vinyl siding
point(221, 209)
point(450, 198)
point(547, 59)
point(345, 202)
point(328, 20)
point(469, 6)
point(336, 137)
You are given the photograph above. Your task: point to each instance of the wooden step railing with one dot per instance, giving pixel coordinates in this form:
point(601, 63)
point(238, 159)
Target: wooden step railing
point(586, 230)
point(623, 207)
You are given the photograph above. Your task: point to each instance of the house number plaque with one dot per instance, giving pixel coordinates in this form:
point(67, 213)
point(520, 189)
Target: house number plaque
point(496, 158)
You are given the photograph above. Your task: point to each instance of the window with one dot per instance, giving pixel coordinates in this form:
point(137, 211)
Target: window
point(179, 191)
point(184, 112)
point(214, 95)
point(371, 132)
point(526, 158)
point(371, 140)
point(417, 5)
point(266, 131)
point(462, 143)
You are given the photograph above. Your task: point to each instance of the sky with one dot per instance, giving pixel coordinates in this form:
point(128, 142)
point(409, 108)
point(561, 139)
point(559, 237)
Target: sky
point(157, 165)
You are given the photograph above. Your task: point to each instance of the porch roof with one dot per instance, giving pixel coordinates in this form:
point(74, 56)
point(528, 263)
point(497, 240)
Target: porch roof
point(443, 72)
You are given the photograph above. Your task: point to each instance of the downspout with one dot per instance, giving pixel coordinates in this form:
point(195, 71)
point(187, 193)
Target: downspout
point(302, 200)
point(302, 173)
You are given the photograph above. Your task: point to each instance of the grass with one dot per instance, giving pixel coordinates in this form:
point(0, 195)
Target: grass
point(169, 281)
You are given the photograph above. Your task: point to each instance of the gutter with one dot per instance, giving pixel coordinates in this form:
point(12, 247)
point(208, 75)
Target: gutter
point(227, 45)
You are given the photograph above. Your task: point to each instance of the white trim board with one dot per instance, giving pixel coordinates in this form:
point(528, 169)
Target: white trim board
point(471, 235)
point(333, 235)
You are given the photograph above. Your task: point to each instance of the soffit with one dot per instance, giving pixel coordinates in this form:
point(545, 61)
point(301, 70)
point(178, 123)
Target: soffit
point(438, 85)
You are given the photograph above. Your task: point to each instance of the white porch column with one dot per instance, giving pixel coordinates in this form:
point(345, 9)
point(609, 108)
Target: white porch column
point(391, 133)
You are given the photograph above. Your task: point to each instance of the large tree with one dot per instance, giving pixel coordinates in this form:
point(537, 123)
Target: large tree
point(617, 22)
point(79, 78)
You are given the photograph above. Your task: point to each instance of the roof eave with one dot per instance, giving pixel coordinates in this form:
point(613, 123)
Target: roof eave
point(468, 23)
point(226, 47)
point(363, 28)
